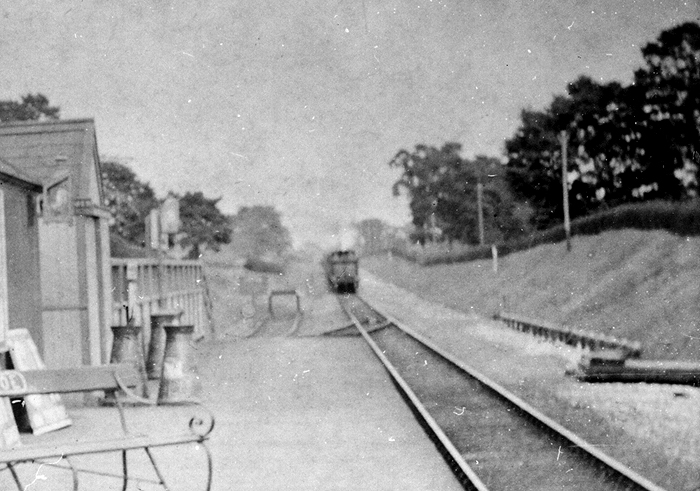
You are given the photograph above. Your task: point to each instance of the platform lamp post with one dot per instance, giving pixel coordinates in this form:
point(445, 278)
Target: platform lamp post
point(564, 140)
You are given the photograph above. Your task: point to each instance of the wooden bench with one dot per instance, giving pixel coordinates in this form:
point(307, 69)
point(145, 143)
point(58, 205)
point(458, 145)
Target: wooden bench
point(115, 380)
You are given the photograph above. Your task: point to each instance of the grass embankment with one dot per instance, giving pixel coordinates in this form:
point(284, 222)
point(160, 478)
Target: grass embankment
point(640, 285)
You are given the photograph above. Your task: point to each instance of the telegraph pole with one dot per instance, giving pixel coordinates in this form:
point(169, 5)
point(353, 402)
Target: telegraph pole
point(564, 139)
point(480, 210)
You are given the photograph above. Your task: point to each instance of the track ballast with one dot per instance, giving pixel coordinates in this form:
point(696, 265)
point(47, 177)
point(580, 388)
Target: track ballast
point(491, 439)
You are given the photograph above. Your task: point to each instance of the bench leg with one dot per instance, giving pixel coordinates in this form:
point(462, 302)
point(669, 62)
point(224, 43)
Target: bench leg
point(210, 470)
point(155, 468)
point(74, 472)
point(15, 477)
point(125, 471)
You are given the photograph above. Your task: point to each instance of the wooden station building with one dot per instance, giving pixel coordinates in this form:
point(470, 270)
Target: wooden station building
point(59, 160)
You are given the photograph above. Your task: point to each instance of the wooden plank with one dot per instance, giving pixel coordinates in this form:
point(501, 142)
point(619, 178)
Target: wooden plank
point(92, 345)
point(14, 383)
point(4, 304)
point(9, 434)
point(614, 367)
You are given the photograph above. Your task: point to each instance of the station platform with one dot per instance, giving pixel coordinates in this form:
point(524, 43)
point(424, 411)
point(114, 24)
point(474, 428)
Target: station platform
point(292, 413)
point(312, 413)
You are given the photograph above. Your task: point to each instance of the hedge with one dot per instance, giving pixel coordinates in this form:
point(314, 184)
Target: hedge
point(681, 218)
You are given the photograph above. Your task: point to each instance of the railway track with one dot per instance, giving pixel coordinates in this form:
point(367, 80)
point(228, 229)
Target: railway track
point(492, 439)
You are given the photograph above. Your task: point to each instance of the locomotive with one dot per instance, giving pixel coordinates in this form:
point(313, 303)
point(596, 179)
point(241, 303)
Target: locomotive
point(342, 272)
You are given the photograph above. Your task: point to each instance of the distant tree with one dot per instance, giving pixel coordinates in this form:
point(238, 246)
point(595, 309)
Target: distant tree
point(499, 204)
point(374, 234)
point(128, 199)
point(458, 208)
point(31, 107)
point(259, 231)
point(202, 223)
point(442, 191)
point(421, 178)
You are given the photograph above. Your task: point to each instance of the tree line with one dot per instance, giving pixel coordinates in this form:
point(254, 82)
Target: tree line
point(625, 144)
point(257, 231)
point(130, 201)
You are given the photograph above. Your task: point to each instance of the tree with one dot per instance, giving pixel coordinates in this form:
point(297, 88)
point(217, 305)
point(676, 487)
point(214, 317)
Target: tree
point(259, 232)
point(670, 115)
point(128, 199)
point(533, 172)
point(626, 143)
point(32, 107)
point(442, 190)
point(603, 171)
point(202, 224)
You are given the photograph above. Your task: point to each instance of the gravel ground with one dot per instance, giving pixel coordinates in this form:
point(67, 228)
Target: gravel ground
point(654, 429)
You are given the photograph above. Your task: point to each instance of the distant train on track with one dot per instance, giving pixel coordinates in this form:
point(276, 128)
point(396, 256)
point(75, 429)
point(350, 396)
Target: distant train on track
point(342, 271)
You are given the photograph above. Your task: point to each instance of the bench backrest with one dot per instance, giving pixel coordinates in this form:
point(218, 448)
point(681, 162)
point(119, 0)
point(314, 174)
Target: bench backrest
point(14, 383)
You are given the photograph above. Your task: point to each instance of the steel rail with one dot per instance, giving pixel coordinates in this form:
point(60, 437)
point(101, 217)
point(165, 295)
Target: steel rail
point(474, 482)
point(523, 406)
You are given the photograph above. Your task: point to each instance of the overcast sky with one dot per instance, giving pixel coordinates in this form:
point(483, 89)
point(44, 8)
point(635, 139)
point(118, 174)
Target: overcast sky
point(301, 104)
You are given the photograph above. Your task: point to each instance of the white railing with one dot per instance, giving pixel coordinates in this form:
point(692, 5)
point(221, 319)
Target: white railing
point(149, 285)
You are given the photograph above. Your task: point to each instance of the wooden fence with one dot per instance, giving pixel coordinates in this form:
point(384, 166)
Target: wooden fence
point(578, 338)
point(150, 285)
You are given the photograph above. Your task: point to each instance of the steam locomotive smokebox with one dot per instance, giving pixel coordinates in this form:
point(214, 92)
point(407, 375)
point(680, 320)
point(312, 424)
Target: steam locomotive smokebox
point(341, 268)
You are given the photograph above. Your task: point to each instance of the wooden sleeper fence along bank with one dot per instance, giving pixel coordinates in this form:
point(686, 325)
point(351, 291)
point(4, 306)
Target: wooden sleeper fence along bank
point(581, 339)
point(609, 359)
point(148, 286)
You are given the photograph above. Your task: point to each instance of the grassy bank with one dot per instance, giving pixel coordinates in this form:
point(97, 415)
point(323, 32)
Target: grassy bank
point(640, 285)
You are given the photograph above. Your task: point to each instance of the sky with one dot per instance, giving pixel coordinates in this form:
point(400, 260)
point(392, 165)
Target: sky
point(301, 105)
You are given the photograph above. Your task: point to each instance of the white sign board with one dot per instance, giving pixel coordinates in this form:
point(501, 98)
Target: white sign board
point(45, 412)
point(170, 215)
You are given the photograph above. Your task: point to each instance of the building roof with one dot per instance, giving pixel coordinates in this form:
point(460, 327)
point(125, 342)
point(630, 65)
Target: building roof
point(46, 150)
point(10, 173)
